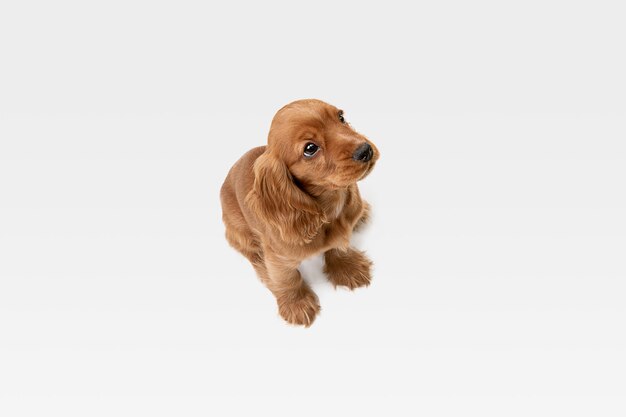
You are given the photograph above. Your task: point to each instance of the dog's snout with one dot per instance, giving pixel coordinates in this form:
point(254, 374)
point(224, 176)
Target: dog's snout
point(363, 153)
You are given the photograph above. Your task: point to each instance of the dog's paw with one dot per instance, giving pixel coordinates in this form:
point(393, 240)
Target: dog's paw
point(299, 308)
point(351, 268)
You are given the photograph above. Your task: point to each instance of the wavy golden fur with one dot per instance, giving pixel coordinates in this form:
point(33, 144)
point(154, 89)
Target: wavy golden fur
point(297, 197)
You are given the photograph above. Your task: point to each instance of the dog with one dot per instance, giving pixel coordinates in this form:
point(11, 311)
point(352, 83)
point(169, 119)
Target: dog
point(298, 197)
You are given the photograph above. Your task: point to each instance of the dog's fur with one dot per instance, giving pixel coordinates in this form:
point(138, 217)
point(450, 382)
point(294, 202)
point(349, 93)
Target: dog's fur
point(280, 206)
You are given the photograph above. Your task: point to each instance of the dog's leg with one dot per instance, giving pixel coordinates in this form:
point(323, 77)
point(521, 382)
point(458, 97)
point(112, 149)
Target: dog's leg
point(349, 268)
point(297, 303)
point(365, 216)
point(242, 240)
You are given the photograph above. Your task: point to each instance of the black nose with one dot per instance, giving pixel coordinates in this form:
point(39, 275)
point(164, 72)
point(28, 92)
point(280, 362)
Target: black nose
point(363, 153)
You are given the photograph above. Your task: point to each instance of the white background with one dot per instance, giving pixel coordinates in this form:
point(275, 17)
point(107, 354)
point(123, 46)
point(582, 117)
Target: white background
point(499, 234)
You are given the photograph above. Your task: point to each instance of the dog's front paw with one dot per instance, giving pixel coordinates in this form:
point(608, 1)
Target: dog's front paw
point(299, 307)
point(349, 268)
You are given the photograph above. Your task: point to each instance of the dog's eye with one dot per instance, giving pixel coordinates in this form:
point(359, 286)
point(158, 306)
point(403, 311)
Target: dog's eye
point(310, 149)
point(341, 119)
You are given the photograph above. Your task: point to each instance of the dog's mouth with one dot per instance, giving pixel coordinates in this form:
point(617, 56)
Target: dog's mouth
point(346, 175)
point(368, 169)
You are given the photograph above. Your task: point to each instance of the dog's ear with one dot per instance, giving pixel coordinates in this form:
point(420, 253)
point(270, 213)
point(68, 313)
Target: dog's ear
point(278, 201)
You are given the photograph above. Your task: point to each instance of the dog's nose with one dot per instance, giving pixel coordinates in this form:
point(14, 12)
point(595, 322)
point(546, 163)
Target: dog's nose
point(363, 153)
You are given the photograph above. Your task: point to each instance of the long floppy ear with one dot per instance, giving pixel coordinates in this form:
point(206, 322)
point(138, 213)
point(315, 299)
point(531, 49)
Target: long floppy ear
point(281, 204)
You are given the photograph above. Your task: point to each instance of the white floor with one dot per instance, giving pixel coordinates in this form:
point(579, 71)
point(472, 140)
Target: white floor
point(498, 234)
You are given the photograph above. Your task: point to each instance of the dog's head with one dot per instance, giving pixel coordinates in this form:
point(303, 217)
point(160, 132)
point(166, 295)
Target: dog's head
point(318, 146)
point(311, 148)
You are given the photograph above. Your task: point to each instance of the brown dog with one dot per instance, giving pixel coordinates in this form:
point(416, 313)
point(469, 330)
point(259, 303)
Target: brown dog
point(297, 197)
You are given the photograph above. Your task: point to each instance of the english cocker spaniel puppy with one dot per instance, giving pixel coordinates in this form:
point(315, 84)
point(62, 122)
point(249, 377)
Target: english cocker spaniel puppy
point(297, 197)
